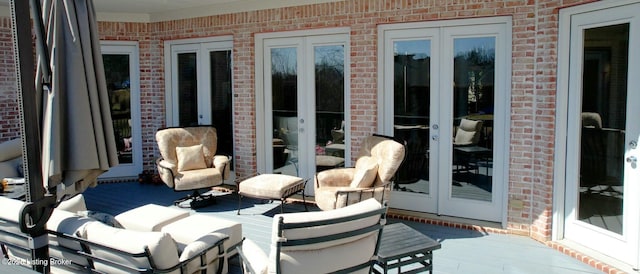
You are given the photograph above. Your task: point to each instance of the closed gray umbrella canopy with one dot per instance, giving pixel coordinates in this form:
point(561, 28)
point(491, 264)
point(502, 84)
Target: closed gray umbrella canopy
point(77, 131)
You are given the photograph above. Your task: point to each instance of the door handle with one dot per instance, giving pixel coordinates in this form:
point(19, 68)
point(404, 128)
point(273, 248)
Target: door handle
point(632, 160)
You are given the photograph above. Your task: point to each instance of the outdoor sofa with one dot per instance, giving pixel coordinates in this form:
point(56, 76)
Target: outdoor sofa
point(79, 244)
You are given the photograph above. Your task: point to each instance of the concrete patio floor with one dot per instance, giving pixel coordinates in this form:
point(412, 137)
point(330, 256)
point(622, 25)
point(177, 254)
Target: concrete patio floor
point(463, 251)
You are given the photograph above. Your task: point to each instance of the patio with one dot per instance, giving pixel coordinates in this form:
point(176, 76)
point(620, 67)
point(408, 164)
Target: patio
point(463, 251)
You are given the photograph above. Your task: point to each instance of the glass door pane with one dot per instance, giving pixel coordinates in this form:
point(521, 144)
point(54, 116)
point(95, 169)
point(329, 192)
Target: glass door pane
point(411, 78)
point(330, 122)
point(473, 105)
point(119, 87)
point(221, 99)
point(123, 86)
point(601, 174)
point(603, 122)
point(284, 95)
point(187, 89)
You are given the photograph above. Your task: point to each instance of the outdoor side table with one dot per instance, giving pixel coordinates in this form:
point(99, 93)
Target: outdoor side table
point(401, 246)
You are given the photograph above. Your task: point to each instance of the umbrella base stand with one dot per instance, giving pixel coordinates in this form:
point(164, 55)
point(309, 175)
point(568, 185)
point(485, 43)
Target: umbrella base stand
point(196, 200)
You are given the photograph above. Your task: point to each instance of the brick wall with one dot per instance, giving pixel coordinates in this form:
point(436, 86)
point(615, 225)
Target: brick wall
point(533, 77)
point(9, 117)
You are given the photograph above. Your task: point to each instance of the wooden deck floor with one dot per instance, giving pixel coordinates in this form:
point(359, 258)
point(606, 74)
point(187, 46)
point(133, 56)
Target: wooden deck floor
point(463, 251)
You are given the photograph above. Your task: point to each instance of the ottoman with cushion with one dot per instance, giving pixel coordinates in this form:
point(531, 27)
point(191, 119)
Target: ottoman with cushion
point(271, 187)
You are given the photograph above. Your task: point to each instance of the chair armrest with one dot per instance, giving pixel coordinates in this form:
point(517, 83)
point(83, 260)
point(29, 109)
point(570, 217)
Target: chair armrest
point(252, 258)
point(199, 249)
point(167, 171)
point(384, 186)
point(347, 196)
point(222, 164)
point(335, 177)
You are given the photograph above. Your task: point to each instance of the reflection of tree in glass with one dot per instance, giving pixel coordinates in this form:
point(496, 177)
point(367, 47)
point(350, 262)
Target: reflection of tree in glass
point(116, 70)
point(411, 85)
point(474, 72)
point(329, 73)
point(284, 79)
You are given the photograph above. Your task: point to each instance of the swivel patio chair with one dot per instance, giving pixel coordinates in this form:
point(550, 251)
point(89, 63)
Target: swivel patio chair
point(378, 161)
point(189, 162)
point(344, 240)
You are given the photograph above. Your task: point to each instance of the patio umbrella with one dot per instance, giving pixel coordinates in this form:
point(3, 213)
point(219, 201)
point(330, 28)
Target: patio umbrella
point(78, 142)
point(66, 126)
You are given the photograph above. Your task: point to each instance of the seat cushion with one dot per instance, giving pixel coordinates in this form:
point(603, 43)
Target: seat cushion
point(195, 179)
point(326, 256)
point(366, 171)
point(161, 246)
point(270, 186)
point(10, 149)
point(68, 223)
point(190, 158)
point(193, 228)
point(329, 161)
point(150, 217)
point(468, 132)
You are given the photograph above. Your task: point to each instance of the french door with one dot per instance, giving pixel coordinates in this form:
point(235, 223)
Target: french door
point(200, 89)
point(123, 84)
point(445, 91)
point(304, 97)
point(602, 192)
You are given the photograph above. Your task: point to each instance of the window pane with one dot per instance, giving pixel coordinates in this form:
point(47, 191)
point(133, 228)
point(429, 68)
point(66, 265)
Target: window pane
point(329, 86)
point(117, 74)
point(473, 104)
point(187, 89)
point(604, 106)
point(412, 76)
point(284, 88)
point(221, 99)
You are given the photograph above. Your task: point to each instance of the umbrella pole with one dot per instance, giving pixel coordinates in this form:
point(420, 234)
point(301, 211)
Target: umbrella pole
point(39, 206)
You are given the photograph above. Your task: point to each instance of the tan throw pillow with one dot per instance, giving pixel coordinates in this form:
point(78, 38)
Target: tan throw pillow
point(366, 171)
point(190, 158)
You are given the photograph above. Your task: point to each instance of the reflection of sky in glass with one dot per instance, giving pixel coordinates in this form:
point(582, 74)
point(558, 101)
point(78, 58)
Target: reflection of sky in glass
point(283, 61)
point(417, 48)
point(332, 56)
point(464, 45)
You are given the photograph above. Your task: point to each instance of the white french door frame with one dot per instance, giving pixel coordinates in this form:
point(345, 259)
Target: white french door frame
point(439, 200)
point(132, 50)
point(201, 47)
point(410, 200)
point(573, 21)
point(304, 42)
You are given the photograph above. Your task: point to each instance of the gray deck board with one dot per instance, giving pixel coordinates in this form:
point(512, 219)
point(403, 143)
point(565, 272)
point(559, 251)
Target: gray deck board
point(463, 251)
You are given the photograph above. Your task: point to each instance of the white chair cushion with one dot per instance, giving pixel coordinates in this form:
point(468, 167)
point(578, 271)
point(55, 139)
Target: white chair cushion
point(150, 217)
point(161, 246)
point(73, 204)
point(199, 245)
point(68, 223)
point(327, 256)
point(195, 226)
point(258, 259)
point(190, 158)
point(10, 210)
point(192, 228)
point(10, 149)
point(366, 171)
